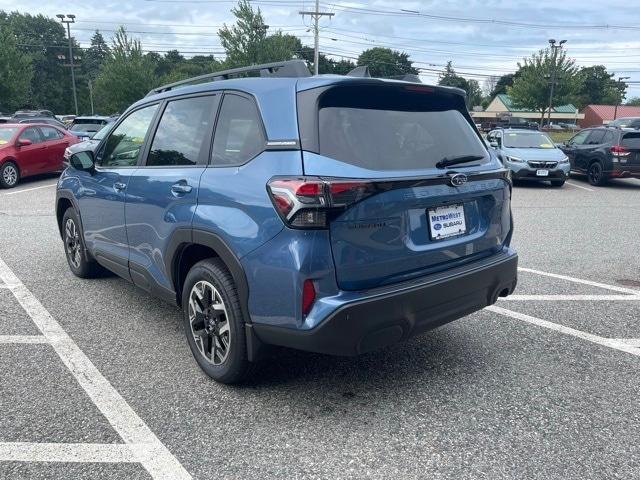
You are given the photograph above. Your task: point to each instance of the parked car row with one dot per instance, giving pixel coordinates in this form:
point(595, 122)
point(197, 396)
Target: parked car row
point(599, 153)
point(30, 149)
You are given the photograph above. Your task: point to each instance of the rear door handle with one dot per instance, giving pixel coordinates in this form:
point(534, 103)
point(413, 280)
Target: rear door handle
point(181, 188)
point(119, 186)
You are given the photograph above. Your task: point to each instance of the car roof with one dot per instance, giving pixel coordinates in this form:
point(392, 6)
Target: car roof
point(27, 125)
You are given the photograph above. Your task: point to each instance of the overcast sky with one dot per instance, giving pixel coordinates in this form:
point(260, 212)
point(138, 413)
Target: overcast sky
point(483, 38)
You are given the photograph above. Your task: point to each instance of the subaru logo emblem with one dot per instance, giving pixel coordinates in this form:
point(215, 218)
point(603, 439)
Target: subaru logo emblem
point(458, 179)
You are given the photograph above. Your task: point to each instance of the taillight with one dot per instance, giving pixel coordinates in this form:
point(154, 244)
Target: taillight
point(308, 202)
point(308, 296)
point(619, 151)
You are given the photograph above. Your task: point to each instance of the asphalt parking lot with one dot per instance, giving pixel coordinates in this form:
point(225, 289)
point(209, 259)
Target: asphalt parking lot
point(97, 380)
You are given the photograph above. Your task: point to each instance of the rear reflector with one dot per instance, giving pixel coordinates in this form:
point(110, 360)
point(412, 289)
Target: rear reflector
point(308, 296)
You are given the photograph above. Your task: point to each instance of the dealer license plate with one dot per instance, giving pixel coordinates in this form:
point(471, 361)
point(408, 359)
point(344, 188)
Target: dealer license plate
point(446, 221)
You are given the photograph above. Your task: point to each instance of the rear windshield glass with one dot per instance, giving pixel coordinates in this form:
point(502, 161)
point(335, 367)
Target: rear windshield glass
point(384, 129)
point(527, 140)
point(5, 134)
point(631, 140)
point(89, 127)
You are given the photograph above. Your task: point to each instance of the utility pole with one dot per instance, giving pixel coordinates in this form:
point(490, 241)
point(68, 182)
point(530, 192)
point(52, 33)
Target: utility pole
point(68, 20)
point(316, 15)
point(615, 110)
point(91, 96)
point(554, 49)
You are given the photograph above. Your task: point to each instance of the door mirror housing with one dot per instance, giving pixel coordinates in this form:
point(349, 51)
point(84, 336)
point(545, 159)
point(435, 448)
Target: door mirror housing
point(83, 161)
point(24, 142)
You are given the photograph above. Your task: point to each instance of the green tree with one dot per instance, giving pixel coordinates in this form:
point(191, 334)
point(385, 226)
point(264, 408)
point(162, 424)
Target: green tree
point(44, 41)
point(326, 64)
point(192, 67)
point(127, 75)
point(15, 73)
point(247, 43)
point(384, 62)
point(449, 78)
point(95, 56)
point(597, 86)
point(501, 85)
point(530, 89)
point(633, 102)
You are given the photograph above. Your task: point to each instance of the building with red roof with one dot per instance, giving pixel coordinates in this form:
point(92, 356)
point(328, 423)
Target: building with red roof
point(595, 115)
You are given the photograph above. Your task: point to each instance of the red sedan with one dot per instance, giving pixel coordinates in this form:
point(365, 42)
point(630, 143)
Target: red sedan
point(30, 149)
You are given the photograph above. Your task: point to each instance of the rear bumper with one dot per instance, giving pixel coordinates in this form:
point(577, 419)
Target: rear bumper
point(625, 173)
point(384, 318)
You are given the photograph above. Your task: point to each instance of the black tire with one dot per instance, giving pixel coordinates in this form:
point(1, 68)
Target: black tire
point(596, 175)
point(557, 183)
point(9, 174)
point(80, 264)
point(232, 364)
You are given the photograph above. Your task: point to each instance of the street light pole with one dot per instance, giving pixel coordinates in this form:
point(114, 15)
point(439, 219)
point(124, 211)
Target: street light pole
point(554, 49)
point(615, 110)
point(68, 20)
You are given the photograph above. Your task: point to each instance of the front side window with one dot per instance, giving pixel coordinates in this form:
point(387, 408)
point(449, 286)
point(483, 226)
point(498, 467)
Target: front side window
point(596, 137)
point(125, 142)
point(6, 133)
point(579, 138)
point(182, 132)
point(31, 134)
point(50, 133)
point(527, 140)
point(239, 135)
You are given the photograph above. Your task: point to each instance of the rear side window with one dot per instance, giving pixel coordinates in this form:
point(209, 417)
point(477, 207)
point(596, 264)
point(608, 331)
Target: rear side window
point(182, 132)
point(631, 141)
point(50, 133)
point(123, 145)
point(239, 133)
point(392, 129)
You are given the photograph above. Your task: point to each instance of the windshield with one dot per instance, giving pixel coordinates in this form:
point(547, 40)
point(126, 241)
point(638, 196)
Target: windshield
point(5, 134)
point(100, 134)
point(527, 140)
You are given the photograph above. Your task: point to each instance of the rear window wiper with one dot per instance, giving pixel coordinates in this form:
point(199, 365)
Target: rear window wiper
point(448, 161)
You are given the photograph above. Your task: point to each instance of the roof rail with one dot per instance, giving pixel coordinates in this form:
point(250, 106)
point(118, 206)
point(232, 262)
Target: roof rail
point(362, 71)
point(289, 68)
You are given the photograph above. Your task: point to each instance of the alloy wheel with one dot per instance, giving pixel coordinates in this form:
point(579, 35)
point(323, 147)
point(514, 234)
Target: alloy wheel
point(72, 243)
point(595, 173)
point(10, 175)
point(209, 322)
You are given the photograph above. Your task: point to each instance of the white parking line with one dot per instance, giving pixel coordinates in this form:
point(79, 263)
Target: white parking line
point(632, 342)
point(67, 452)
point(607, 342)
point(571, 298)
point(613, 288)
point(149, 451)
point(579, 186)
point(8, 339)
point(13, 192)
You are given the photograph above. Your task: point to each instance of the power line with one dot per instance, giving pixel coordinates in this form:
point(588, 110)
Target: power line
point(316, 15)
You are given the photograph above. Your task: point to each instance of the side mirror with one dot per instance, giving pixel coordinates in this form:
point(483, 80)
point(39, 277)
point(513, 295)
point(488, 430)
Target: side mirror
point(493, 144)
point(83, 161)
point(24, 142)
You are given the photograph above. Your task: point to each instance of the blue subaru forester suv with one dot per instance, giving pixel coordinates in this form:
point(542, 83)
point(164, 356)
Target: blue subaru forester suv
point(334, 214)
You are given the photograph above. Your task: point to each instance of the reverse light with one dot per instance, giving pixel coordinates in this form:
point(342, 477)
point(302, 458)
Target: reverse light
point(307, 202)
point(308, 296)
